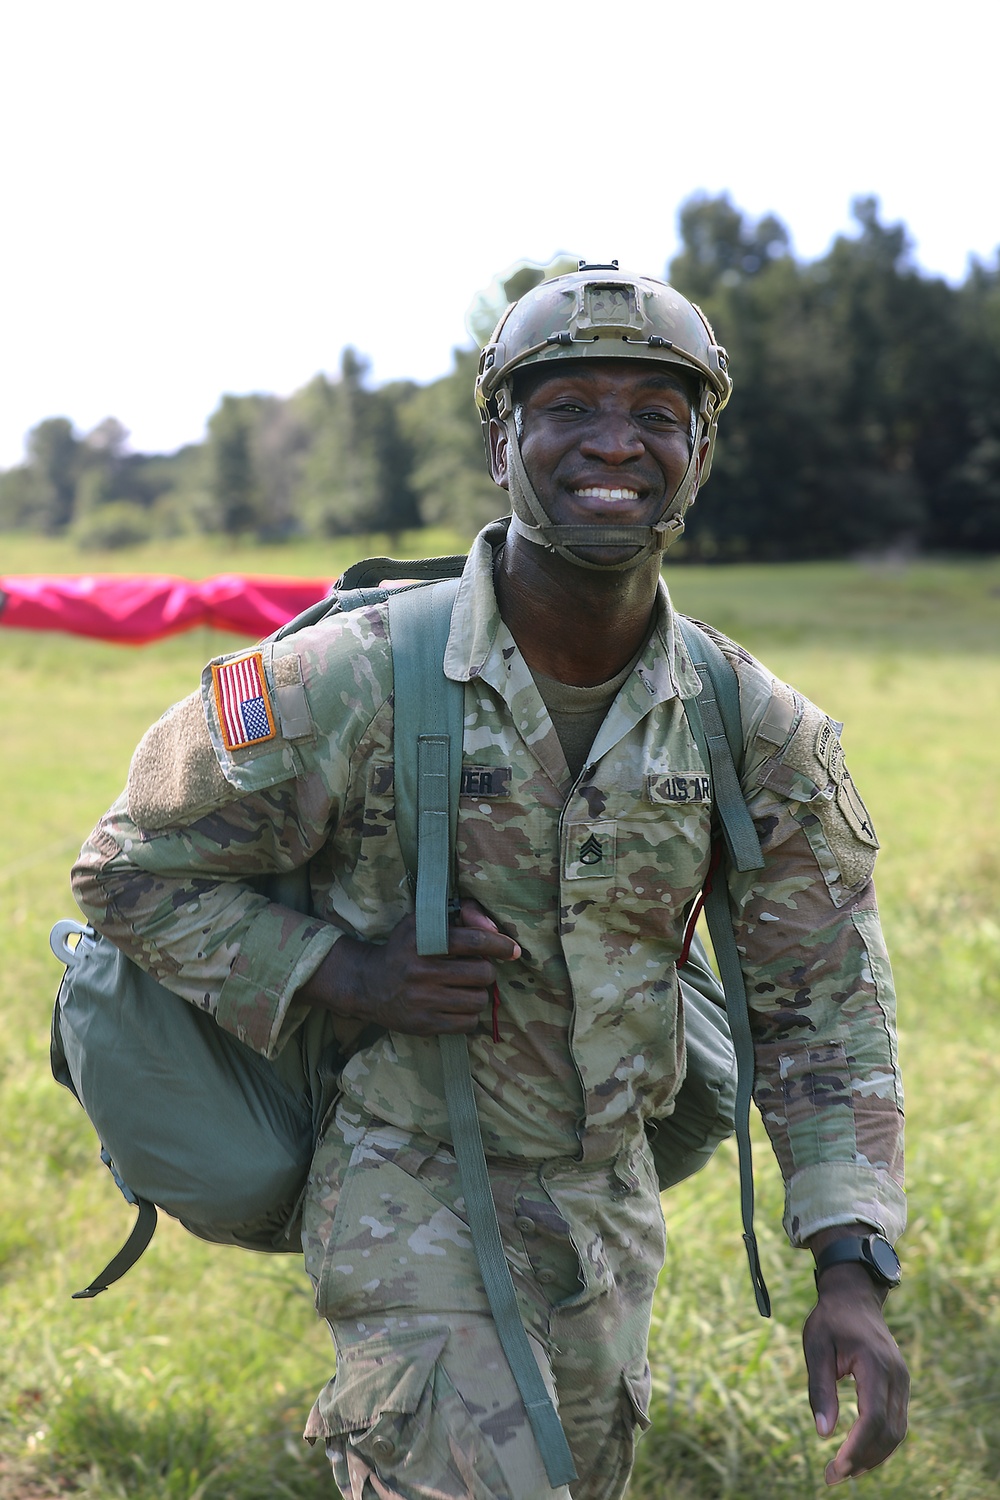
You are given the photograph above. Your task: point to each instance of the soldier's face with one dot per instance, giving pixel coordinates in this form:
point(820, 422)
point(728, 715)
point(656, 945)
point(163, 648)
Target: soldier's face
point(602, 440)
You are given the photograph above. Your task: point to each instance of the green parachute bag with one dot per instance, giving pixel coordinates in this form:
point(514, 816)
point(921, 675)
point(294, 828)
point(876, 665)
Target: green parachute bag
point(704, 1109)
point(189, 1118)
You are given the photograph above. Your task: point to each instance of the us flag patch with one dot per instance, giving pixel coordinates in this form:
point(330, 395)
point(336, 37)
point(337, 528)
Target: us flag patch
point(244, 707)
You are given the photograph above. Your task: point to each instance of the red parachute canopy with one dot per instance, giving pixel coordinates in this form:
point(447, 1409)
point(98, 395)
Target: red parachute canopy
point(141, 607)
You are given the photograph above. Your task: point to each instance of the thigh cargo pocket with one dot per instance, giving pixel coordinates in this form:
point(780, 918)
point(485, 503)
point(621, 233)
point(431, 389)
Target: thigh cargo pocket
point(612, 1466)
point(381, 1234)
point(392, 1411)
point(636, 1388)
point(377, 1390)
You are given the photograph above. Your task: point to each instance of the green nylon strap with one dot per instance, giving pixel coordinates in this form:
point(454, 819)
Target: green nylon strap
point(719, 706)
point(142, 1233)
point(426, 706)
point(493, 1267)
point(426, 703)
point(714, 718)
point(720, 926)
point(434, 842)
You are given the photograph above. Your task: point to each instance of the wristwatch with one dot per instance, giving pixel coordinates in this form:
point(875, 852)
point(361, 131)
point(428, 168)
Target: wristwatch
point(872, 1251)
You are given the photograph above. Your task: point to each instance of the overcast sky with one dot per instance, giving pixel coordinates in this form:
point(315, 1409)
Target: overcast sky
point(218, 196)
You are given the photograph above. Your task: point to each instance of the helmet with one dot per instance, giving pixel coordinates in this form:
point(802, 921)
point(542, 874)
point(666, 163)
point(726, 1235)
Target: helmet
point(599, 312)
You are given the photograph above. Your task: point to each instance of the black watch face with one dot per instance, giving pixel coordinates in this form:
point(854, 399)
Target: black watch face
point(884, 1258)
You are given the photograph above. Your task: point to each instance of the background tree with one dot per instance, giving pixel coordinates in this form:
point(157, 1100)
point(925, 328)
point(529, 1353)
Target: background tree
point(338, 487)
point(357, 456)
point(18, 500)
point(864, 418)
point(278, 441)
point(238, 503)
point(965, 512)
point(450, 479)
point(721, 247)
point(53, 463)
point(849, 406)
point(396, 506)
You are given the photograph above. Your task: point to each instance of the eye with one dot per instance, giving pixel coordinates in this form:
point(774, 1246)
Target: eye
point(659, 417)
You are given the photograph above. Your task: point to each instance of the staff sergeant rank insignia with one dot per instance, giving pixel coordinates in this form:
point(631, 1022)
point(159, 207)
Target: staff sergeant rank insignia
point(241, 697)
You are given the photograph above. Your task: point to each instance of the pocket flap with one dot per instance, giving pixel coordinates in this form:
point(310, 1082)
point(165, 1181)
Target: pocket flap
point(377, 1376)
point(636, 1385)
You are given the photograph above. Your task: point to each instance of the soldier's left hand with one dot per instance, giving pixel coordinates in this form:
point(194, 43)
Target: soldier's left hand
point(845, 1334)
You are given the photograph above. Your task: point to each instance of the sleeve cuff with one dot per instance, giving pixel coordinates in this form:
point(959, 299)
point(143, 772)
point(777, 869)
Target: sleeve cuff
point(842, 1192)
point(281, 950)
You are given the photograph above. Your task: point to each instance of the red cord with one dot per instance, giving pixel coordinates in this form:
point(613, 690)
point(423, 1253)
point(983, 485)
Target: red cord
point(706, 890)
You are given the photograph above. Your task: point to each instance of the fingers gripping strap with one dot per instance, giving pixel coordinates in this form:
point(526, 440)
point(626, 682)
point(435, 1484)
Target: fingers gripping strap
point(428, 711)
point(715, 723)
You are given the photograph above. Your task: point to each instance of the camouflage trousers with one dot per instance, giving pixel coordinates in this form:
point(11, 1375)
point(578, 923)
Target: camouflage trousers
point(423, 1405)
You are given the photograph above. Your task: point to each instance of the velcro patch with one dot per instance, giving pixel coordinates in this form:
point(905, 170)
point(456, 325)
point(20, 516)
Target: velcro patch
point(679, 786)
point(241, 698)
point(831, 802)
point(830, 754)
point(175, 775)
point(776, 725)
point(477, 781)
point(486, 781)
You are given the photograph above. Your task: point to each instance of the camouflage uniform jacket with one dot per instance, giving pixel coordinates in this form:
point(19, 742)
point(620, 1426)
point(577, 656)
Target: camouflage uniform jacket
point(592, 878)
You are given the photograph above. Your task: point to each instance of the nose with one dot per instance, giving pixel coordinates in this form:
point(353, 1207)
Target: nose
point(612, 436)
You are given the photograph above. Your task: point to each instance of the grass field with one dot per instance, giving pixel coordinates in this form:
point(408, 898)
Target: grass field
point(192, 1379)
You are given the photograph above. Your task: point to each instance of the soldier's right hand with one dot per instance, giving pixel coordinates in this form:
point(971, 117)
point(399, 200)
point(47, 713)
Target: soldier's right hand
point(391, 985)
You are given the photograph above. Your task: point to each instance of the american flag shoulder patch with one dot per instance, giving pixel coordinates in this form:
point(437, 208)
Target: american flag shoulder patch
point(241, 697)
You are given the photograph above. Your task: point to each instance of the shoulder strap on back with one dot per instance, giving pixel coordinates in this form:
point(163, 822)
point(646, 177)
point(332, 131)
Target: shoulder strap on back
point(714, 717)
point(370, 581)
point(375, 572)
point(718, 704)
point(427, 768)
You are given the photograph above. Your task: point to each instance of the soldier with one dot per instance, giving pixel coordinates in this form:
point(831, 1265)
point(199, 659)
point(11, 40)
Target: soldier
point(578, 862)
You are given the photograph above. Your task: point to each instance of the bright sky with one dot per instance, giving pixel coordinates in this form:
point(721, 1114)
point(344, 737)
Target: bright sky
point(205, 196)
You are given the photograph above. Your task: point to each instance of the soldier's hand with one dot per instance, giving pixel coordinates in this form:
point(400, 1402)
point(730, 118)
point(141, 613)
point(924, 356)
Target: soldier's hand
point(391, 985)
point(845, 1334)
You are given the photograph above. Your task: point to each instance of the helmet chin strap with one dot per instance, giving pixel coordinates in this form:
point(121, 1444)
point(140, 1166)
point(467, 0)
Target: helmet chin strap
point(529, 520)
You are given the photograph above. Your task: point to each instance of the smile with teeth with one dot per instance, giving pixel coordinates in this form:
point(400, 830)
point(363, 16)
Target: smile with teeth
point(595, 492)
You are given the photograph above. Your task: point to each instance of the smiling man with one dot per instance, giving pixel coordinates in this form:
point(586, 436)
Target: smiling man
point(583, 841)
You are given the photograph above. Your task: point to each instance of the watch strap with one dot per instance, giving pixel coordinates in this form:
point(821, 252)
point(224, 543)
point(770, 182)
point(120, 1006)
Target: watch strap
point(857, 1249)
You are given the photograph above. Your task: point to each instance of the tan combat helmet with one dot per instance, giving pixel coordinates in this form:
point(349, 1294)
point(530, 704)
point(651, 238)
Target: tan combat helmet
point(599, 312)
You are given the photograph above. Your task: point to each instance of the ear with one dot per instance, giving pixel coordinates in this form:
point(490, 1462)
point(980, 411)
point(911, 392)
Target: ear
point(498, 441)
point(702, 457)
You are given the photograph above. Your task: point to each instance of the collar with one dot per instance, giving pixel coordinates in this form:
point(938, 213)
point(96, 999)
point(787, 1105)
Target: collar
point(480, 645)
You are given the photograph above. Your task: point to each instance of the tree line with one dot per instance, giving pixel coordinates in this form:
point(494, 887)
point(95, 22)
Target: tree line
point(865, 416)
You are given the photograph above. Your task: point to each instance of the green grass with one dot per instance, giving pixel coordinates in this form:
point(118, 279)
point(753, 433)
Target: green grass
point(199, 557)
point(194, 1377)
